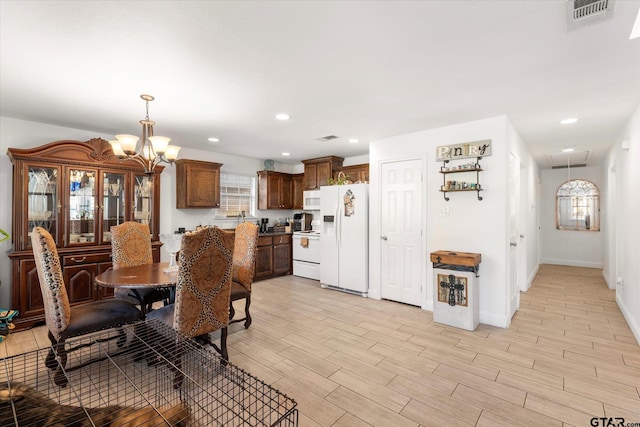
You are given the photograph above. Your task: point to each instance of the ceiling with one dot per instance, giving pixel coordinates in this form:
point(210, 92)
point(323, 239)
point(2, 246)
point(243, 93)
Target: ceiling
point(354, 69)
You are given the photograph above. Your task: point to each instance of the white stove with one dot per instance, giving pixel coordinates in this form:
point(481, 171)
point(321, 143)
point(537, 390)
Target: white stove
point(306, 254)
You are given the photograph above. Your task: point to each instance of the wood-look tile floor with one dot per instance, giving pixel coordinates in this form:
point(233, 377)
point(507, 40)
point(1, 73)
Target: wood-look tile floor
point(568, 356)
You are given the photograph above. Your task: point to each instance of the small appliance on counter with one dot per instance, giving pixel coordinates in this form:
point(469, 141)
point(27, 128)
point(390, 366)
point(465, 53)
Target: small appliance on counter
point(264, 225)
point(302, 221)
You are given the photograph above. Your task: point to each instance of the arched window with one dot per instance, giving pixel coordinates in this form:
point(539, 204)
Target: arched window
point(578, 206)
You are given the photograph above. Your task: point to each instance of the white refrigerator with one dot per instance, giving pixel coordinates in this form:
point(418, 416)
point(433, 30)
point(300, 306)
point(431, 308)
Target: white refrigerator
point(344, 242)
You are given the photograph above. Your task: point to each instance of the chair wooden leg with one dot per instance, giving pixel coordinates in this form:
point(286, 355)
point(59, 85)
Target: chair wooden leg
point(232, 311)
point(51, 362)
point(223, 344)
point(247, 315)
point(60, 351)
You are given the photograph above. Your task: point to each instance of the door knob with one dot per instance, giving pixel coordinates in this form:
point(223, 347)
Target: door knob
point(513, 244)
point(383, 237)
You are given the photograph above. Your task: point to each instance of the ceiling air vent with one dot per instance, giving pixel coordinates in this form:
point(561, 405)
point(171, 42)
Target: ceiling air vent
point(328, 138)
point(575, 158)
point(585, 12)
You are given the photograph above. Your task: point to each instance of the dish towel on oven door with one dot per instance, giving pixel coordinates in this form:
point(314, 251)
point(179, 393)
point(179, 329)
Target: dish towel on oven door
point(304, 242)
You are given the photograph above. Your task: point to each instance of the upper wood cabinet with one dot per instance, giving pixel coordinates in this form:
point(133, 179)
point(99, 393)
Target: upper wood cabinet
point(197, 184)
point(317, 171)
point(76, 190)
point(298, 190)
point(275, 190)
point(355, 173)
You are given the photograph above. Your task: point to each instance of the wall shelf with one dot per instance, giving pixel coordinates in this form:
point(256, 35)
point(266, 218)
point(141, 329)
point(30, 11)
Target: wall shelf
point(452, 186)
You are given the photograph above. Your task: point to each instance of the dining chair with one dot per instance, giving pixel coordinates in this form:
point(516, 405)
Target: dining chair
point(63, 320)
point(203, 291)
point(130, 246)
point(244, 259)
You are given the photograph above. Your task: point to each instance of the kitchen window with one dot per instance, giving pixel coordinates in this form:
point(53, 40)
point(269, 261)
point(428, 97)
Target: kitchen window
point(578, 206)
point(237, 195)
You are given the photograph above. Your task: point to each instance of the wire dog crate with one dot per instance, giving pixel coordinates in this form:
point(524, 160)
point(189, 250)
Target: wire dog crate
point(157, 378)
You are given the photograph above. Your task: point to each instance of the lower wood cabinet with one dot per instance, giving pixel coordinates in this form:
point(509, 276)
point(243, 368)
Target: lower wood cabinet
point(273, 256)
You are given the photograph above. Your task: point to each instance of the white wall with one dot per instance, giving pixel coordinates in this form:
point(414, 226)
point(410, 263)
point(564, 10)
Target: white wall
point(622, 250)
point(568, 247)
point(472, 225)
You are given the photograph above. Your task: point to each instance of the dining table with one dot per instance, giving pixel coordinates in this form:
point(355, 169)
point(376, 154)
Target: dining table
point(140, 277)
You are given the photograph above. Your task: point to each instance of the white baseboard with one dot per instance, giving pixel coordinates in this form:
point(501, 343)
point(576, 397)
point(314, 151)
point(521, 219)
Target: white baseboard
point(532, 276)
point(633, 325)
point(573, 263)
point(493, 319)
point(607, 280)
point(374, 293)
point(486, 318)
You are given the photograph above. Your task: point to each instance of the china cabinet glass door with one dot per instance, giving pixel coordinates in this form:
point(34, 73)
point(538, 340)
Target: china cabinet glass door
point(82, 206)
point(143, 200)
point(113, 202)
point(43, 204)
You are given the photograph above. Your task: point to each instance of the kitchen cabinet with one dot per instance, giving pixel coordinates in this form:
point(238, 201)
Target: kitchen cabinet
point(355, 173)
point(273, 256)
point(298, 190)
point(76, 190)
point(275, 190)
point(318, 171)
point(197, 184)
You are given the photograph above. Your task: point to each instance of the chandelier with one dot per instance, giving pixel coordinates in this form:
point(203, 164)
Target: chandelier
point(154, 149)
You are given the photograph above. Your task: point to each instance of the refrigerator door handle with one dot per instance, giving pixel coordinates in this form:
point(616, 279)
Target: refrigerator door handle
point(338, 226)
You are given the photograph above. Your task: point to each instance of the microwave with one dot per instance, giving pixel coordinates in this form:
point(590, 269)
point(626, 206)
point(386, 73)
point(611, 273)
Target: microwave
point(311, 200)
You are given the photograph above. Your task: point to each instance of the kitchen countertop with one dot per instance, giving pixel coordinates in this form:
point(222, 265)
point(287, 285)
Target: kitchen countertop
point(273, 234)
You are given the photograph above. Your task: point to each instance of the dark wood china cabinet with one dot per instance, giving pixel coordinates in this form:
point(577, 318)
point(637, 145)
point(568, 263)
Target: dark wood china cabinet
point(76, 190)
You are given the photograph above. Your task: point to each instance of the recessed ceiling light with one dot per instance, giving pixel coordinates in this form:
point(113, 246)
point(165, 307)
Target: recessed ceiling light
point(568, 121)
point(286, 154)
point(568, 150)
point(212, 139)
point(283, 116)
point(354, 140)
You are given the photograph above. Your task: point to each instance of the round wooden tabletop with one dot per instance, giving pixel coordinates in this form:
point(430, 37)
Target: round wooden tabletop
point(139, 276)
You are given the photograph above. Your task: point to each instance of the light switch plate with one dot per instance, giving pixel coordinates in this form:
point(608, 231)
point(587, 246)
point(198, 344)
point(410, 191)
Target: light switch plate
point(444, 211)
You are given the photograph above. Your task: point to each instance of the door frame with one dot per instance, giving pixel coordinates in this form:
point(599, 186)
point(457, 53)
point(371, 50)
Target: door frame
point(375, 248)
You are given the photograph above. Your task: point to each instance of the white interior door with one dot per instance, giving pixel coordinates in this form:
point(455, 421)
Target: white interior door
point(514, 234)
point(401, 231)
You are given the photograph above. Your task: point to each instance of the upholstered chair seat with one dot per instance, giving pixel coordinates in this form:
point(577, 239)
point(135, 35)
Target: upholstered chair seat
point(244, 259)
point(130, 246)
point(63, 320)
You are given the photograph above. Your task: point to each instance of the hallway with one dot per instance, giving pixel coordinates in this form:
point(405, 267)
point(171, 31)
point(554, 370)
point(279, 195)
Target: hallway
point(568, 356)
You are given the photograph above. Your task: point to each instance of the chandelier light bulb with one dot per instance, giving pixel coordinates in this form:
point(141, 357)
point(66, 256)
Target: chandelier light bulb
point(117, 149)
point(128, 143)
point(172, 152)
point(160, 144)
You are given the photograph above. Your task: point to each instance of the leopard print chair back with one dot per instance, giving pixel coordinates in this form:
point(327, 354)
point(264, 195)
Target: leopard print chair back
point(244, 254)
point(57, 309)
point(204, 282)
point(130, 244)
